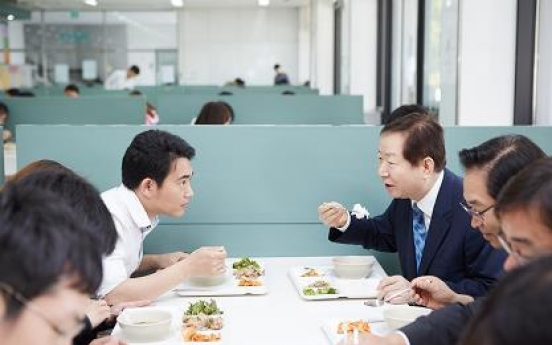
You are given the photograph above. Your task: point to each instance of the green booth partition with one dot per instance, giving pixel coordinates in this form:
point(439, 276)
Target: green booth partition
point(257, 188)
point(265, 109)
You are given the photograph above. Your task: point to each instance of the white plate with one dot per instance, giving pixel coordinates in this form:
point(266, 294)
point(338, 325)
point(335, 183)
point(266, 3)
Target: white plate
point(228, 288)
point(330, 329)
point(347, 288)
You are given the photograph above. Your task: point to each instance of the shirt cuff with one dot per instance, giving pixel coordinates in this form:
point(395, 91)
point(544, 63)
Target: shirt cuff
point(405, 338)
point(346, 226)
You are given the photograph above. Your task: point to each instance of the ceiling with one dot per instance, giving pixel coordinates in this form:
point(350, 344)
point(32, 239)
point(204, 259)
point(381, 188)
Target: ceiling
point(150, 5)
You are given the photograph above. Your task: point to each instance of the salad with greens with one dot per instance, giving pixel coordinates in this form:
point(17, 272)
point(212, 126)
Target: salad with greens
point(319, 287)
point(203, 315)
point(247, 268)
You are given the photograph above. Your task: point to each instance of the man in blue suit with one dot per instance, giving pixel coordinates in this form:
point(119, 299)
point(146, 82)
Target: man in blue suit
point(424, 223)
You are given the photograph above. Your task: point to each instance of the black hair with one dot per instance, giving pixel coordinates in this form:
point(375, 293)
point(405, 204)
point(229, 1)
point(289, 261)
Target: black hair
point(502, 157)
point(150, 155)
point(135, 69)
point(424, 138)
point(531, 190)
point(72, 87)
point(225, 93)
point(214, 113)
point(84, 199)
point(276, 66)
point(4, 109)
point(288, 93)
point(517, 311)
point(42, 242)
point(403, 110)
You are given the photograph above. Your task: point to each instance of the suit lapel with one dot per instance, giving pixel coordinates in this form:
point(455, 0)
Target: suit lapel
point(440, 224)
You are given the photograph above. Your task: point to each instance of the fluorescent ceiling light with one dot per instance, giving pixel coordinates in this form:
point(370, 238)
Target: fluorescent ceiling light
point(177, 3)
point(91, 2)
point(10, 17)
point(264, 2)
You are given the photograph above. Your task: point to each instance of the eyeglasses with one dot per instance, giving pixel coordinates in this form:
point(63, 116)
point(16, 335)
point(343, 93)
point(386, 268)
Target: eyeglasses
point(474, 213)
point(508, 249)
point(37, 312)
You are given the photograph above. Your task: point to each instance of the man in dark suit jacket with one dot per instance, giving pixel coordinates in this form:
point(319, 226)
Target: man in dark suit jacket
point(412, 167)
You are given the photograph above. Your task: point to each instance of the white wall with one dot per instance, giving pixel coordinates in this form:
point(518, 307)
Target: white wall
point(487, 55)
point(363, 51)
point(322, 58)
point(543, 104)
point(220, 44)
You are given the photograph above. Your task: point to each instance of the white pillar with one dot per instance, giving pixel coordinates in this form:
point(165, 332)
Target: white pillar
point(304, 44)
point(363, 21)
point(487, 62)
point(543, 105)
point(322, 57)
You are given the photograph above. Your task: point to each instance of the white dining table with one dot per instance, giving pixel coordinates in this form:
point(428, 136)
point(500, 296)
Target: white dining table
point(279, 317)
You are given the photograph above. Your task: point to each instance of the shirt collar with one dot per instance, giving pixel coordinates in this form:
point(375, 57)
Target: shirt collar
point(427, 203)
point(137, 211)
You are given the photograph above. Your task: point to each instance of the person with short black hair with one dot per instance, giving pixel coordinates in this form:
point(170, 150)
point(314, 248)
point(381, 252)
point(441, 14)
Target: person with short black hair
point(49, 265)
point(156, 176)
point(71, 91)
point(280, 78)
point(122, 80)
point(424, 223)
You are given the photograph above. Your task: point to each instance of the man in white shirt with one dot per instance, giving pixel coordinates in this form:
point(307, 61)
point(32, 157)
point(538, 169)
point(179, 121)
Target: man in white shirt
point(424, 223)
point(156, 173)
point(122, 80)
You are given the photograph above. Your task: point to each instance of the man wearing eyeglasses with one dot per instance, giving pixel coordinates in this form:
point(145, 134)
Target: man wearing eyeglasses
point(489, 167)
point(424, 223)
point(49, 265)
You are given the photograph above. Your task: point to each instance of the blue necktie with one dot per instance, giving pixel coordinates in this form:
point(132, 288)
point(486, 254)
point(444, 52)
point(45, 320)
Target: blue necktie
point(420, 234)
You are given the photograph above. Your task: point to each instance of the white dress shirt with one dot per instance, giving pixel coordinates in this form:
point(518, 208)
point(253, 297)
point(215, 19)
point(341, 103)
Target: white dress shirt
point(133, 225)
point(118, 81)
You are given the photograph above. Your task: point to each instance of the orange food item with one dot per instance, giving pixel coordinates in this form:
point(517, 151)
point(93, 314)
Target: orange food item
point(191, 334)
point(349, 326)
point(249, 282)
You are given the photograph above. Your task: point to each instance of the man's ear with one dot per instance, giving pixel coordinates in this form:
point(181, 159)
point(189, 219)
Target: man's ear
point(3, 306)
point(428, 166)
point(147, 188)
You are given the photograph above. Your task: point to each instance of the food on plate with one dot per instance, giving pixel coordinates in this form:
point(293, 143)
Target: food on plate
point(203, 315)
point(320, 287)
point(244, 281)
point(247, 268)
point(311, 272)
point(349, 326)
point(191, 334)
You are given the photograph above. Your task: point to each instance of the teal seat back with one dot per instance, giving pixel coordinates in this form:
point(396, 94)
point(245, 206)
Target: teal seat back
point(266, 109)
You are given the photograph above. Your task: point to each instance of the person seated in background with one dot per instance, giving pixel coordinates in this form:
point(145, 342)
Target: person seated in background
point(518, 309)
point(403, 110)
point(424, 223)
point(15, 92)
point(4, 115)
point(122, 80)
point(64, 262)
point(152, 118)
point(156, 176)
point(215, 113)
point(71, 91)
point(280, 78)
point(236, 82)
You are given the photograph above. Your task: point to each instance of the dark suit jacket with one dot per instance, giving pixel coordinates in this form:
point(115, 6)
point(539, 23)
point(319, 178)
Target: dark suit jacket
point(454, 251)
point(443, 326)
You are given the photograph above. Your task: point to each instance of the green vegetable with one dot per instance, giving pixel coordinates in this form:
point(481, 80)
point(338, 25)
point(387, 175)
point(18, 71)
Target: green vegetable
point(309, 292)
point(245, 262)
point(203, 307)
point(320, 291)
